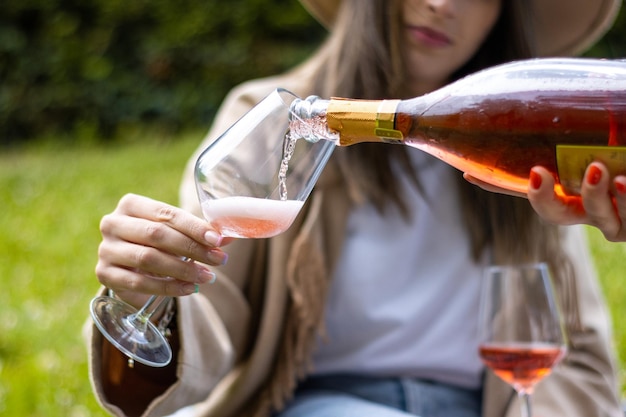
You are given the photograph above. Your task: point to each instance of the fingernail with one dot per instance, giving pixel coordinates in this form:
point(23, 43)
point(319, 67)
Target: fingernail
point(207, 276)
point(594, 175)
point(535, 180)
point(191, 289)
point(218, 256)
point(213, 238)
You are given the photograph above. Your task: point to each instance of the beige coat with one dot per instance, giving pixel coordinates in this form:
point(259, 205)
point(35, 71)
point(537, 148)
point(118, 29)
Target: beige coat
point(246, 339)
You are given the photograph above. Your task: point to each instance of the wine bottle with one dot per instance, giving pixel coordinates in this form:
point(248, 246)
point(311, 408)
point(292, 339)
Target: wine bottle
point(560, 113)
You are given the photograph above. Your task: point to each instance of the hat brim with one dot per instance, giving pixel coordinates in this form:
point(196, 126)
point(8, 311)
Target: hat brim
point(563, 27)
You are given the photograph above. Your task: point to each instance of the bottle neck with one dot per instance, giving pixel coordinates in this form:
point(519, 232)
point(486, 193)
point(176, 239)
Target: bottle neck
point(307, 120)
point(345, 121)
point(363, 120)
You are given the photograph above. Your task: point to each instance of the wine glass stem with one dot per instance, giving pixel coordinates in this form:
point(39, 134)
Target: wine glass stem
point(525, 402)
point(140, 318)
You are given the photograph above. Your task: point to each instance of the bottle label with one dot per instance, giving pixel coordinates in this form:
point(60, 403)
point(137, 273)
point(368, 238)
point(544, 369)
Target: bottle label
point(573, 160)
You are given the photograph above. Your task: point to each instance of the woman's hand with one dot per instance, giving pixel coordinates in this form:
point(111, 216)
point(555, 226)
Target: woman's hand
point(602, 201)
point(144, 246)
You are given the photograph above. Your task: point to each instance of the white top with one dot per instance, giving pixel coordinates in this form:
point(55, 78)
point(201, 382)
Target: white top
point(404, 296)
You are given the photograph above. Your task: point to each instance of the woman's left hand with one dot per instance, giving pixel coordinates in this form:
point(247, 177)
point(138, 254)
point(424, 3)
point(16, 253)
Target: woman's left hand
point(602, 202)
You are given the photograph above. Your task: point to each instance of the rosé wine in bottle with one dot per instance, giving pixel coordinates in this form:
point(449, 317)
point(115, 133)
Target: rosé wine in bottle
point(496, 124)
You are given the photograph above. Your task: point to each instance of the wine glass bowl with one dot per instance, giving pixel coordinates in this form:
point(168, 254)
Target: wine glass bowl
point(520, 328)
point(521, 365)
point(253, 181)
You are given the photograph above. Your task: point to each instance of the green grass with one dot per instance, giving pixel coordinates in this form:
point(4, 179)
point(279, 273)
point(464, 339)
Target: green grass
point(610, 260)
point(52, 200)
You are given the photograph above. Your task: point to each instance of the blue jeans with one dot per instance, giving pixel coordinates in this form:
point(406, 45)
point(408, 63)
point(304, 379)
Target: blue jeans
point(358, 396)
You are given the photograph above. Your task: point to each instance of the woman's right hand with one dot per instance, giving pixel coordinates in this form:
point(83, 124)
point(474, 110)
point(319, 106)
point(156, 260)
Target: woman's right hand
point(150, 247)
point(602, 201)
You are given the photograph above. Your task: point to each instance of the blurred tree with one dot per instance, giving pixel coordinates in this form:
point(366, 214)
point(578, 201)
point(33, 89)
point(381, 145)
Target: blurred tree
point(90, 66)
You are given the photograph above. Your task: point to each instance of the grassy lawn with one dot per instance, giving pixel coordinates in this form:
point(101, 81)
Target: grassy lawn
point(610, 259)
point(52, 200)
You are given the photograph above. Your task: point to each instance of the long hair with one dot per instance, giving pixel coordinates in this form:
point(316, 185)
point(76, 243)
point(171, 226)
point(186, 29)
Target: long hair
point(362, 58)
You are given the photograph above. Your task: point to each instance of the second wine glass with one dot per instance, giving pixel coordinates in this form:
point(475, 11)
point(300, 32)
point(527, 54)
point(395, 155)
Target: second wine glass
point(521, 333)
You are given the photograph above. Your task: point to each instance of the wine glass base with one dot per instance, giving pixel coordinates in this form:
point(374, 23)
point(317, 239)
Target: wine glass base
point(114, 320)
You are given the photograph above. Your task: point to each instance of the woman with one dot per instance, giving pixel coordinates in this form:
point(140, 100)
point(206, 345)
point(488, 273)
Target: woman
point(370, 263)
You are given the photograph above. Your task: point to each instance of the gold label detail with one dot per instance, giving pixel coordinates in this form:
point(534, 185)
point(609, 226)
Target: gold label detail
point(355, 120)
point(363, 120)
point(385, 121)
point(573, 160)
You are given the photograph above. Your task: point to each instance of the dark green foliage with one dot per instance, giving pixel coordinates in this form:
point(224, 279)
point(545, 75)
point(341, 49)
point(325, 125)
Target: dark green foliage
point(89, 67)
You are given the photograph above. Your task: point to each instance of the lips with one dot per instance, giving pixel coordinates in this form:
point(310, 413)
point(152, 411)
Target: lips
point(429, 37)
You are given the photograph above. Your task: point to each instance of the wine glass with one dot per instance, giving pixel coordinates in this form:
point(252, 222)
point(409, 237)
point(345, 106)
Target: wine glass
point(520, 329)
point(252, 182)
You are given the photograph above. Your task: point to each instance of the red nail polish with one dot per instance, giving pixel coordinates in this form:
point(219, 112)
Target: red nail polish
point(620, 187)
point(535, 180)
point(594, 175)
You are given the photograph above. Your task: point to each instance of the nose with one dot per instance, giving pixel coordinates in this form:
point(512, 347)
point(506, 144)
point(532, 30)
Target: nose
point(444, 8)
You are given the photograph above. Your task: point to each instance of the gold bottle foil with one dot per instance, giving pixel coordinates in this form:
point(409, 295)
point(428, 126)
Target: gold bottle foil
point(363, 120)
